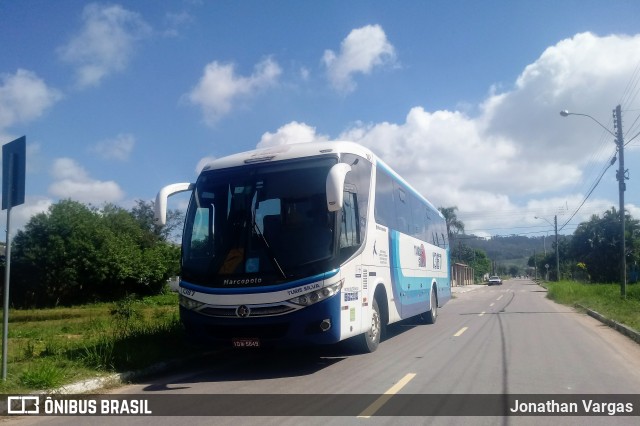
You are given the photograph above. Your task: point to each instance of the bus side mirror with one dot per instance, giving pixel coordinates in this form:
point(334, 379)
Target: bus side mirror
point(160, 208)
point(335, 186)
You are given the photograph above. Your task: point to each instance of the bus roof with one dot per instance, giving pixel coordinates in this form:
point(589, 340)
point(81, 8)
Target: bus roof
point(306, 149)
point(288, 152)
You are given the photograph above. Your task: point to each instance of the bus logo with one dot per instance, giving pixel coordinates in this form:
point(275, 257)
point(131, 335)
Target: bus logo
point(437, 261)
point(422, 255)
point(243, 311)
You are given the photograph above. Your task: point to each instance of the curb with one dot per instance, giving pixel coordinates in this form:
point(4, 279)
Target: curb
point(627, 331)
point(98, 383)
point(115, 379)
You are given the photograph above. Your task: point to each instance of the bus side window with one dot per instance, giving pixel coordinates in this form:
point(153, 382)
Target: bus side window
point(349, 227)
point(404, 221)
point(384, 202)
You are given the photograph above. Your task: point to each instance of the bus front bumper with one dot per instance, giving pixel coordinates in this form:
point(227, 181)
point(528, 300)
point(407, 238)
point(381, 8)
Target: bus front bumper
point(315, 324)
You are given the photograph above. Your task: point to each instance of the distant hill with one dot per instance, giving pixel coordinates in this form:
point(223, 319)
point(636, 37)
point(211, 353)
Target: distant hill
point(509, 250)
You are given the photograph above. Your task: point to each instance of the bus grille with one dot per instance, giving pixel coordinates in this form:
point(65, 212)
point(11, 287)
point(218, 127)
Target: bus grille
point(259, 311)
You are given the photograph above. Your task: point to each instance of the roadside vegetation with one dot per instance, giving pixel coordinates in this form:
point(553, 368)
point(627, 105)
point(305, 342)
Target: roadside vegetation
point(89, 293)
point(602, 298)
point(52, 347)
point(75, 254)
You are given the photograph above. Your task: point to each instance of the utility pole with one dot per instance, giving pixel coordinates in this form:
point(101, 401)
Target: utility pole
point(555, 228)
point(621, 176)
point(555, 222)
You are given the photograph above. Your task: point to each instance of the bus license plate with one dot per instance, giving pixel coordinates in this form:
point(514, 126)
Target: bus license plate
point(246, 342)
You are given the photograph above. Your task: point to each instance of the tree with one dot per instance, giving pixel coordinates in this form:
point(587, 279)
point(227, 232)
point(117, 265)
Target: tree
point(141, 261)
point(56, 254)
point(597, 244)
point(75, 253)
point(481, 265)
point(143, 212)
point(454, 225)
point(514, 271)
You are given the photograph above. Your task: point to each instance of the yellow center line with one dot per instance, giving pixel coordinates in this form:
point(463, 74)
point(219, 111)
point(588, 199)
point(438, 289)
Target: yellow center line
point(459, 333)
point(378, 403)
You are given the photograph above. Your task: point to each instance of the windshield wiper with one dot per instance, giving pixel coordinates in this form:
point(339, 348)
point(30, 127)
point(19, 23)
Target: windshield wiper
point(266, 244)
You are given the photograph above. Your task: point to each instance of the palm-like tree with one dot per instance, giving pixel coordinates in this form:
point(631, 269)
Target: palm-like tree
point(454, 225)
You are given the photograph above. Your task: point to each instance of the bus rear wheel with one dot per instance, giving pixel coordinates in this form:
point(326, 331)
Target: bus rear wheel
point(369, 340)
point(431, 315)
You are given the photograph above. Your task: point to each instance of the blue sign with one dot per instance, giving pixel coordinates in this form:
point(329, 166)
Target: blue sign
point(13, 172)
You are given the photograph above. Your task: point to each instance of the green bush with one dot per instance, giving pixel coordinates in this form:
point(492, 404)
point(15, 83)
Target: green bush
point(42, 376)
point(76, 254)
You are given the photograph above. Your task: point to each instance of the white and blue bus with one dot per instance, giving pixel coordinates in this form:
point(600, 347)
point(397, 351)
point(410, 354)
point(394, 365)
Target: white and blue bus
point(307, 243)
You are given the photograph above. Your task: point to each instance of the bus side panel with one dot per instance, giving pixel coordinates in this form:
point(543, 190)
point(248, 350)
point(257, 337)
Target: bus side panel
point(444, 284)
point(353, 298)
point(377, 257)
point(415, 267)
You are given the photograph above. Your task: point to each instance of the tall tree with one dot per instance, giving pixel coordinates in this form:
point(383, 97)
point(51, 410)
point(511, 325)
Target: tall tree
point(454, 225)
point(597, 242)
point(143, 213)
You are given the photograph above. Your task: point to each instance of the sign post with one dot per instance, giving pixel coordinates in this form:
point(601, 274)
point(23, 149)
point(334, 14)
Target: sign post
point(13, 178)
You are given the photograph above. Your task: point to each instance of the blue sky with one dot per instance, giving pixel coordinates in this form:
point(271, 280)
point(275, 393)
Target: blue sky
point(461, 97)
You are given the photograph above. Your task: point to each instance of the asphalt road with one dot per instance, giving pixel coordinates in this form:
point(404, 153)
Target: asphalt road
point(497, 340)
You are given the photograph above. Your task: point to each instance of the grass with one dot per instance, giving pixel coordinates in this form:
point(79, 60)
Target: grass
point(48, 348)
point(602, 298)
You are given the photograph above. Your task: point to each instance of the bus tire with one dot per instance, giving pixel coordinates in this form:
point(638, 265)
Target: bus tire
point(369, 340)
point(431, 315)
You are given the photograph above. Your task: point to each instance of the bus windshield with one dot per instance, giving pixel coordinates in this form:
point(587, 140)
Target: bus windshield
point(259, 224)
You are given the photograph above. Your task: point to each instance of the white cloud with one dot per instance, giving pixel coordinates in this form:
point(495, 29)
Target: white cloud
point(518, 147)
point(586, 74)
point(22, 214)
point(305, 73)
point(118, 148)
point(293, 132)
point(24, 97)
point(430, 149)
point(175, 22)
point(72, 181)
point(360, 52)
point(105, 43)
point(219, 87)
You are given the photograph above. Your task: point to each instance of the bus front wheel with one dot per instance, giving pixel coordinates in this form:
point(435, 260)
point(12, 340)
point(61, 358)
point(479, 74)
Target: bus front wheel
point(369, 340)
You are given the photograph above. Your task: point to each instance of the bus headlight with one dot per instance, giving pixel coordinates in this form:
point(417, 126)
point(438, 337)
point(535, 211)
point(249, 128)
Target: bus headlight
point(317, 295)
point(187, 303)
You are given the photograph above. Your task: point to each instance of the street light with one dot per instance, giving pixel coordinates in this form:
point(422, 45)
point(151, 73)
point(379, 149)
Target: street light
point(555, 226)
point(566, 113)
point(621, 176)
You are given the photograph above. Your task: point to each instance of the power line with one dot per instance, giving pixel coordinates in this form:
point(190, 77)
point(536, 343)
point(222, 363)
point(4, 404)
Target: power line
point(613, 160)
